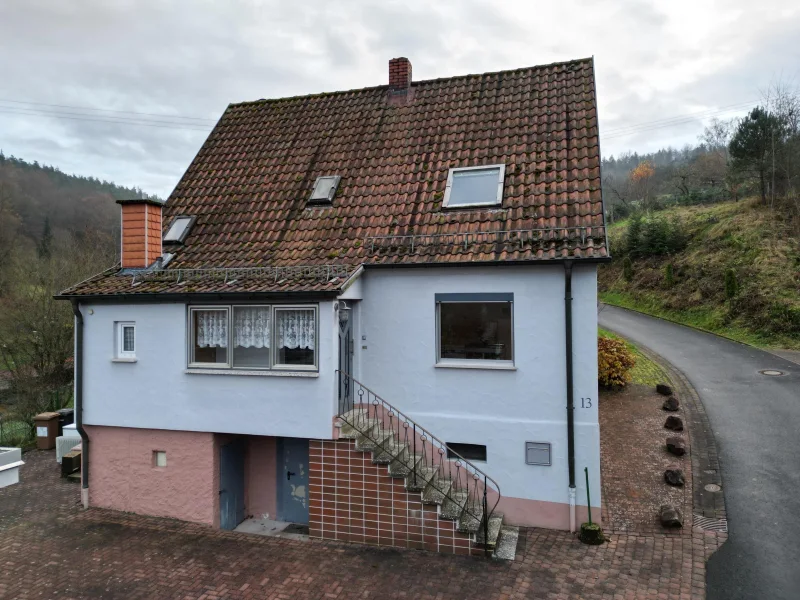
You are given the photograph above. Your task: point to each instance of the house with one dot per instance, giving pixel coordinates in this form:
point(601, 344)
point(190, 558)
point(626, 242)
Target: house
point(372, 311)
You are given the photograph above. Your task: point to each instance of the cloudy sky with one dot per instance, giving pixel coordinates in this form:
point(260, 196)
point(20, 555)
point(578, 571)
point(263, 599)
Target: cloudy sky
point(127, 90)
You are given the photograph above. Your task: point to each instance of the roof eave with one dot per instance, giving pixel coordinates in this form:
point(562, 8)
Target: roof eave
point(155, 297)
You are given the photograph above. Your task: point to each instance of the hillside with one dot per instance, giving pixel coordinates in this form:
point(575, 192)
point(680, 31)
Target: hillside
point(31, 193)
point(757, 247)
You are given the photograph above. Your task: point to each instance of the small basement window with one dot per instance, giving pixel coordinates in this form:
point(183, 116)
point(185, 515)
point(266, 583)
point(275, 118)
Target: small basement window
point(179, 229)
point(324, 189)
point(466, 451)
point(159, 458)
point(126, 340)
point(469, 187)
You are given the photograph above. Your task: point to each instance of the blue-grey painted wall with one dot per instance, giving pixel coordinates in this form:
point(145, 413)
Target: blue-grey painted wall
point(499, 408)
point(156, 392)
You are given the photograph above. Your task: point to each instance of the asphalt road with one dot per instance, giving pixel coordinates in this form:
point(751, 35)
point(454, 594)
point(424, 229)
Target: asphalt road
point(756, 424)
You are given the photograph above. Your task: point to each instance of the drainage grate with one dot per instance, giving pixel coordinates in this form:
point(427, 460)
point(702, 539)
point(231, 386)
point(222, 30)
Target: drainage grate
point(772, 372)
point(709, 524)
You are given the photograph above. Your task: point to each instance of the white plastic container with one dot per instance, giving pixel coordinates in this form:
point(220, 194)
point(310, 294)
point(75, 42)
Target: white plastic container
point(10, 462)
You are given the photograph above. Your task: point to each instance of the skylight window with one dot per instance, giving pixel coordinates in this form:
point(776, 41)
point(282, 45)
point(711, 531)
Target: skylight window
point(325, 188)
point(469, 187)
point(179, 229)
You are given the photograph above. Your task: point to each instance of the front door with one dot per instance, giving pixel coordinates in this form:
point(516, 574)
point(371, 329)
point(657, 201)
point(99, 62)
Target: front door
point(231, 485)
point(293, 480)
point(345, 361)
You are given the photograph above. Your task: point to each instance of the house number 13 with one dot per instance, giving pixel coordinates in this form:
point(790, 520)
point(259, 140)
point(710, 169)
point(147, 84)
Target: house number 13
point(586, 403)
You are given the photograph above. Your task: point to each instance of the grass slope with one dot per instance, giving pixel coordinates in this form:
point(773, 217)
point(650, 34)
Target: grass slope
point(757, 243)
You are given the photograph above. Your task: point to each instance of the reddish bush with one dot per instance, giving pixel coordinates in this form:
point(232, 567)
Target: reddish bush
point(614, 362)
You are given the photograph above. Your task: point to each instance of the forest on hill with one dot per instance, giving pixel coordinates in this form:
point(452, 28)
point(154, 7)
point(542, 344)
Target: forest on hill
point(55, 230)
point(710, 235)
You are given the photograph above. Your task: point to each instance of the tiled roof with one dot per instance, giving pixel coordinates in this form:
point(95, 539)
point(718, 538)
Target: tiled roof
point(249, 185)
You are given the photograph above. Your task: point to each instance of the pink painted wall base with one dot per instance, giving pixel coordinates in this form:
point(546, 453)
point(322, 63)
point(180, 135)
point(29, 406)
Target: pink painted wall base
point(124, 475)
point(261, 478)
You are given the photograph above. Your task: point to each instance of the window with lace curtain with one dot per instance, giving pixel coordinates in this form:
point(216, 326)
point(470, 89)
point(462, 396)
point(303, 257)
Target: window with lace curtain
point(253, 337)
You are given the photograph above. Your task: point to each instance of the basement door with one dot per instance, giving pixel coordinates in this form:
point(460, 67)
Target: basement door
point(293, 480)
point(231, 485)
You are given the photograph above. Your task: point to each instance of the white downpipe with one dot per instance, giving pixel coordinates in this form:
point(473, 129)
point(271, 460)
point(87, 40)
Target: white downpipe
point(572, 494)
point(85, 497)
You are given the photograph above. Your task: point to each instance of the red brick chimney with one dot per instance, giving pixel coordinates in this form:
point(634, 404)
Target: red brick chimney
point(141, 232)
point(400, 73)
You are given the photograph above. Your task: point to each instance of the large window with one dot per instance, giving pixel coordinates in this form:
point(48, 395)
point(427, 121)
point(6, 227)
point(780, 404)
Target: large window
point(475, 328)
point(469, 187)
point(253, 337)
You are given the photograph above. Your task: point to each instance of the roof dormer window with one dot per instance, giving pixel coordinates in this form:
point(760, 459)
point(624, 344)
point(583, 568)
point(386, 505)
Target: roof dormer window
point(469, 187)
point(324, 189)
point(179, 229)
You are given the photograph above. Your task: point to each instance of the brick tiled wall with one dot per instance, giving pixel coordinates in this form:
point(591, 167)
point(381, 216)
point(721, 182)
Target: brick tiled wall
point(353, 500)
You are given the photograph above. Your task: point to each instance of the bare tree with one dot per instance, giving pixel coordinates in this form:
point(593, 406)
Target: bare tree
point(36, 331)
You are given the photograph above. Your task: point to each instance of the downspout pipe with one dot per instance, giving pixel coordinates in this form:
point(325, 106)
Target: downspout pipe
point(76, 309)
point(570, 392)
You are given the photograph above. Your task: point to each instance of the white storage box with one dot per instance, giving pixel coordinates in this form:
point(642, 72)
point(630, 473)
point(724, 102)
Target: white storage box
point(64, 444)
point(10, 462)
point(71, 431)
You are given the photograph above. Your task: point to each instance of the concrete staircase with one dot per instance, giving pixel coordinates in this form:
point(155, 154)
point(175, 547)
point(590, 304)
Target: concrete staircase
point(434, 480)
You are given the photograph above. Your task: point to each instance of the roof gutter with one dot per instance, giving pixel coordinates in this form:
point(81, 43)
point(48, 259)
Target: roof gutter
point(570, 392)
point(149, 298)
point(491, 263)
point(78, 363)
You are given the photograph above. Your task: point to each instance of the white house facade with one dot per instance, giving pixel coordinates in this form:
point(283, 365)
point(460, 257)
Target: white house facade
point(391, 341)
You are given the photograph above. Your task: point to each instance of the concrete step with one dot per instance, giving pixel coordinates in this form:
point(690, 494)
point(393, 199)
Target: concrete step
point(419, 477)
point(353, 423)
point(402, 465)
point(385, 453)
point(506, 547)
point(436, 490)
point(495, 524)
point(471, 517)
point(372, 438)
point(453, 504)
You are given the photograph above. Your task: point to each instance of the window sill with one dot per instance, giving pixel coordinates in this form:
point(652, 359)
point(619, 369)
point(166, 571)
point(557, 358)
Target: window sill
point(485, 366)
point(124, 360)
point(246, 373)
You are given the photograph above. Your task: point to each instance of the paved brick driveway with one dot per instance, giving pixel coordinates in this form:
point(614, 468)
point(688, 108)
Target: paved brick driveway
point(50, 548)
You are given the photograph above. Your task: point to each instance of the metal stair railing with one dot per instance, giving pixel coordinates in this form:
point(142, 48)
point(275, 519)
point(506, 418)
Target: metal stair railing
point(369, 414)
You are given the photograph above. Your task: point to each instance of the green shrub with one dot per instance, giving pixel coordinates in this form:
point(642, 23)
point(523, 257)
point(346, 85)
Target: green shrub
point(633, 235)
point(669, 275)
point(731, 284)
point(614, 362)
point(784, 319)
point(627, 268)
point(654, 236)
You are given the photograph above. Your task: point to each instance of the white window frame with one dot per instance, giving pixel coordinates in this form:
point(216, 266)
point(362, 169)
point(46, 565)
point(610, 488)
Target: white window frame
point(470, 298)
point(121, 352)
point(275, 364)
point(498, 200)
point(190, 355)
point(228, 365)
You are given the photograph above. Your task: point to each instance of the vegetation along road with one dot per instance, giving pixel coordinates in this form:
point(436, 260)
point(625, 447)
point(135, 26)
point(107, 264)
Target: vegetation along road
point(756, 422)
